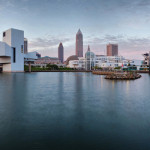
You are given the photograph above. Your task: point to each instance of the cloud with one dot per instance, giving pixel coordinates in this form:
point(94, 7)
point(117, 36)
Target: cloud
point(105, 39)
point(46, 43)
point(7, 3)
point(143, 3)
point(130, 47)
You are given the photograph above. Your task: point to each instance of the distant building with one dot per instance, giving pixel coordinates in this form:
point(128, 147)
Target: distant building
point(25, 45)
point(73, 57)
point(112, 50)
point(79, 44)
point(38, 55)
point(146, 59)
point(47, 60)
point(89, 59)
point(61, 53)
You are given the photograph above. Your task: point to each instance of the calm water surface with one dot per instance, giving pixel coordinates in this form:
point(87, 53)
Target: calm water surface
point(73, 111)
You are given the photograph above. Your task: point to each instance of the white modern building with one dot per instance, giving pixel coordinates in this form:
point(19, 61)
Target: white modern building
point(91, 60)
point(12, 56)
point(96, 61)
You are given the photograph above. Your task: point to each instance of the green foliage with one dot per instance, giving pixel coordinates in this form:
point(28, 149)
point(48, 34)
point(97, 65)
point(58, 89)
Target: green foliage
point(48, 67)
point(129, 64)
point(26, 68)
point(66, 68)
point(98, 68)
point(118, 68)
point(52, 67)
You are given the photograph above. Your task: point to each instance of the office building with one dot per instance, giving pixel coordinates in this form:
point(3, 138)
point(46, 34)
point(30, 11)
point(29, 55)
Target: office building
point(112, 50)
point(79, 44)
point(61, 53)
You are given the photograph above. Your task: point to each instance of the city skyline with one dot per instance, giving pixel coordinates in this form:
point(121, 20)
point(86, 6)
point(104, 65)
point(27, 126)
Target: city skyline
point(123, 22)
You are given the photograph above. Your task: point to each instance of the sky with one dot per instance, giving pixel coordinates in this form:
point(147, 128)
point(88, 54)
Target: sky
point(46, 23)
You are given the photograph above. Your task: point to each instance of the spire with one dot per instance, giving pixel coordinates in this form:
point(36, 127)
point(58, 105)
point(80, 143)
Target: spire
point(79, 32)
point(88, 48)
point(60, 44)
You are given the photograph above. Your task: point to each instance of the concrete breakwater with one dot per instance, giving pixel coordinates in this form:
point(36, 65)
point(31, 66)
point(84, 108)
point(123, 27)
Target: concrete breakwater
point(123, 76)
point(102, 72)
point(118, 75)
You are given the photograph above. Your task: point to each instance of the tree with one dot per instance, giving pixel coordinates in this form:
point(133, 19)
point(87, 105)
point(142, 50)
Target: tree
point(48, 66)
point(129, 64)
point(118, 68)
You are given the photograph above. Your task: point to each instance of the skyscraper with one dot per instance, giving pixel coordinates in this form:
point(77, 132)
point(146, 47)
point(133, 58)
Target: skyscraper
point(61, 53)
point(112, 50)
point(79, 44)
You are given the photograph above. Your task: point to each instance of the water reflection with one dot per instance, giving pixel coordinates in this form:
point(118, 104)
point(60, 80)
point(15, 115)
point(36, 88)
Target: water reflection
point(73, 111)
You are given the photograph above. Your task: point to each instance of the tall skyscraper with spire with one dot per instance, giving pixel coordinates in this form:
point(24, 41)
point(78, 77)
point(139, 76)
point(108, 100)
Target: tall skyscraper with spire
point(61, 53)
point(79, 44)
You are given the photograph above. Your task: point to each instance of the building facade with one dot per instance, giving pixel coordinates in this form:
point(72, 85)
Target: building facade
point(79, 44)
point(12, 55)
point(90, 61)
point(61, 53)
point(47, 60)
point(38, 55)
point(25, 45)
point(112, 50)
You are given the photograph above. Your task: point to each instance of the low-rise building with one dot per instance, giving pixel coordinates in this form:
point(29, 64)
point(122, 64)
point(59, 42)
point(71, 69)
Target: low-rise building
point(47, 60)
point(90, 61)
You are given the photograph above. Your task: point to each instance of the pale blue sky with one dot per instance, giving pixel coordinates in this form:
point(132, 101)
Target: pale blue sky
point(48, 22)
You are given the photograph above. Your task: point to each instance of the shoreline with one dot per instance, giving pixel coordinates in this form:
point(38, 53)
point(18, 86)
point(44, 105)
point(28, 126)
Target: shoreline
point(93, 71)
point(59, 71)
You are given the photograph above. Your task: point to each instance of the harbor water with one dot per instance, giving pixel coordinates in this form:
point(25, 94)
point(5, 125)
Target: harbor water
point(73, 111)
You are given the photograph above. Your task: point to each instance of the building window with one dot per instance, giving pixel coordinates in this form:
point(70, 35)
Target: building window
point(4, 34)
point(21, 48)
point(14, 55)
